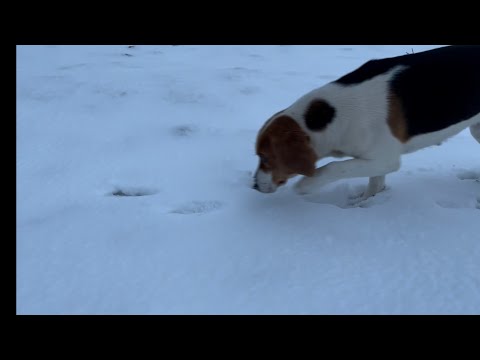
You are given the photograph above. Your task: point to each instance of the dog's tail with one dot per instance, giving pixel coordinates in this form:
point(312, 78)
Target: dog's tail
point(475, 130)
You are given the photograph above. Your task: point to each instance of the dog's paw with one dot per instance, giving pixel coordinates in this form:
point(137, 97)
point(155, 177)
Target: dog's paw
point(356, 197)
point(304, 186)
point(362, 196)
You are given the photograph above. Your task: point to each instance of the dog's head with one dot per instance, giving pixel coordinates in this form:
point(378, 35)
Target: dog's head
point(284, 150)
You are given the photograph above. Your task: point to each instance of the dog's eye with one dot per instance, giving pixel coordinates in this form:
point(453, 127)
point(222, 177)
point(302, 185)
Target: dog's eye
point(263, 159)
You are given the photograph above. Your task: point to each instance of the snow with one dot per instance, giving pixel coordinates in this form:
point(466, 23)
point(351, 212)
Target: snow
point(134, 168)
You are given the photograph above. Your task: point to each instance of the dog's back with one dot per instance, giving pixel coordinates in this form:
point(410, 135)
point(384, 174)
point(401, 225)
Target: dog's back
point(437, 88)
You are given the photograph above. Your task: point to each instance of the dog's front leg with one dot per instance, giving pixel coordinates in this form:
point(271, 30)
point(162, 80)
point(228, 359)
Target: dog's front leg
point(375, 185)
point(374, 169)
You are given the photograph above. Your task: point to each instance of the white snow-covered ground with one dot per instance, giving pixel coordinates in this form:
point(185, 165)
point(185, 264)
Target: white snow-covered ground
point(177, 124)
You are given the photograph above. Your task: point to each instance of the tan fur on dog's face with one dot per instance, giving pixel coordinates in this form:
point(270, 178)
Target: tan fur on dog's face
point(284, 150)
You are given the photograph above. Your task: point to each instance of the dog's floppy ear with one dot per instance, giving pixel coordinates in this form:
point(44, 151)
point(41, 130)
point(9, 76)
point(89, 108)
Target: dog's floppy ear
point(292, 146)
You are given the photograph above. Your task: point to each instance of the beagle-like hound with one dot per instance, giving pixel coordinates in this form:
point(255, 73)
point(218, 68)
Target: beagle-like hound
point(383, 109)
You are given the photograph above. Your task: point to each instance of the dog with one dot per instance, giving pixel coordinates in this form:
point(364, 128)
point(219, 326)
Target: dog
point(373, 115)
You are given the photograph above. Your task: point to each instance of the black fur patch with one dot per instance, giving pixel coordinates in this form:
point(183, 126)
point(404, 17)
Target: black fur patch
point(318, 115)
point(367, 71)
point(438, 88)
point(438, 93)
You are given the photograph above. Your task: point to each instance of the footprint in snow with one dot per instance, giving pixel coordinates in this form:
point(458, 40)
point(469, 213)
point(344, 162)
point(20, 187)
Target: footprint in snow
point(198, 207)
point(460, 204)
point(183, 130)
point(249, 90)
point(132, 191)
point(469, 175)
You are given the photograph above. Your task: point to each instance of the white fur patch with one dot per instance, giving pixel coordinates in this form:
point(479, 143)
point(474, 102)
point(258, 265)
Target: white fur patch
point(264, 182)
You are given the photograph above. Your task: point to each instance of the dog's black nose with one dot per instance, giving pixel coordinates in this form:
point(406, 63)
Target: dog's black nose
point(255, 186)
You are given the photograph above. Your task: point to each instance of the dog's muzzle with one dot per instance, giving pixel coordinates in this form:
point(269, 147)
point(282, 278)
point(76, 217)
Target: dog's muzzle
point(263, 182)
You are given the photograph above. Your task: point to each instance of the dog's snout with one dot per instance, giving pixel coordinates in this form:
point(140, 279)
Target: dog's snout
point(262, 182)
